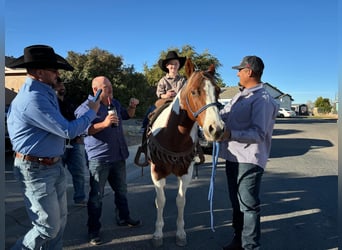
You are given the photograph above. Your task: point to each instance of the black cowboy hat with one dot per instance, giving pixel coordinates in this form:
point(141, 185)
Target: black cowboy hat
point(40, 57)
point(170, 56)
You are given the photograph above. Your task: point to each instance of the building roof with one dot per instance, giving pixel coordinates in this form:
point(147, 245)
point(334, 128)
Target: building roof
point(230, 92)
point(10, 71)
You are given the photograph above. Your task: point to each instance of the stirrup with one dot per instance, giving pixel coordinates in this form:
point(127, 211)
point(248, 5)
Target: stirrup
point(138, 156)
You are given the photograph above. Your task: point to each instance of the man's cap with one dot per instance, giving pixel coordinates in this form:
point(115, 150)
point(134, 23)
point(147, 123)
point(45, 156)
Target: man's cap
point(170, 56)
point(251, 62)
point(40, 57)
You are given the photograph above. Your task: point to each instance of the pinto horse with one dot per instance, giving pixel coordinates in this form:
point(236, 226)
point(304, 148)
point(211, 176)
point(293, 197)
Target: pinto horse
point(172, 140)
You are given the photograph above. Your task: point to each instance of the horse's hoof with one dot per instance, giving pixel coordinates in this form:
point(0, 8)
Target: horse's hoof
point(181, 242)
point(157, 242)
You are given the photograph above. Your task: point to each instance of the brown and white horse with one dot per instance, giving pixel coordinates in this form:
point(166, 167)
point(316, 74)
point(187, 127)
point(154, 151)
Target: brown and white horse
point(172, 140)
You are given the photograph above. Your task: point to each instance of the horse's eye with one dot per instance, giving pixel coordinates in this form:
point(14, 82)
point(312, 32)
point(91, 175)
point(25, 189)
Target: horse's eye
point(194, 92)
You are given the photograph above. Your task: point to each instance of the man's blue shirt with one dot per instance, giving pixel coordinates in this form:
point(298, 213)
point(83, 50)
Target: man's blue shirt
point(35, 124)
point(108, 145)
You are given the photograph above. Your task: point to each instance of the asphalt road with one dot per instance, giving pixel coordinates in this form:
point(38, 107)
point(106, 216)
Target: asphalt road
point(298, 196)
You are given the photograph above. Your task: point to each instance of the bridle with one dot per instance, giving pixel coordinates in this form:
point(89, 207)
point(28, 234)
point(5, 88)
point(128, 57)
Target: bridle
point(196, 113)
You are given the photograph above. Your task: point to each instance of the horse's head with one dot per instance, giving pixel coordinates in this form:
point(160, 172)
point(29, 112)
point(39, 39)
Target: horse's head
point(199, 97)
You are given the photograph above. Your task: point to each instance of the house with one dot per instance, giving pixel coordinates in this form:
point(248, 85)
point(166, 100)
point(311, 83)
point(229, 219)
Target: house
point(284, 100)
point(14, 79)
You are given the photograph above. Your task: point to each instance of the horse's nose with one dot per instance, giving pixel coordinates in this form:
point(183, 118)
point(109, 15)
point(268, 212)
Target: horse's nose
point(216, 130)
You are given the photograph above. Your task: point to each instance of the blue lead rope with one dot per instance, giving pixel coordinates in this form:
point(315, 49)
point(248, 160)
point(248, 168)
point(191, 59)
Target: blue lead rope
point(216, 147)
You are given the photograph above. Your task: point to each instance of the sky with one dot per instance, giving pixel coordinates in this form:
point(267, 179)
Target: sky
point(297, 39)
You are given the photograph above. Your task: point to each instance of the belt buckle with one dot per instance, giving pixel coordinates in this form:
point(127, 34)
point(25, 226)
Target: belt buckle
point(45, 161)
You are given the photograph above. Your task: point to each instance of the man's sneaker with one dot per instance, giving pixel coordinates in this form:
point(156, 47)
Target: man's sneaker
point(129, 222)
point(94, 239)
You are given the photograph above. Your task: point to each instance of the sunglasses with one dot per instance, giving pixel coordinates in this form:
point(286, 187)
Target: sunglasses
point(52, 70)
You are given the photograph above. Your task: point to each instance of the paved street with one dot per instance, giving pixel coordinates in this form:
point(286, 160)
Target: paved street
point(298, 196)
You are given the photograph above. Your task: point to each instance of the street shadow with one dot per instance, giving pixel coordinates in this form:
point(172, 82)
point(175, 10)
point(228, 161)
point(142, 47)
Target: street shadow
point(304, 120)
point(298, 209)
point(284, 147)
point(295, 211)
point(278, 131)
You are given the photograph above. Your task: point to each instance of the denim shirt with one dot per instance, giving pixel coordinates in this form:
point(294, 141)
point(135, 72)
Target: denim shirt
point(250, 117)
point(108, 145)
point(35, 124)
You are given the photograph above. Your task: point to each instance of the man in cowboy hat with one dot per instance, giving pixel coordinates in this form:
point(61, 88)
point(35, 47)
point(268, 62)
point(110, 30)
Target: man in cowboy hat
point(38, 131)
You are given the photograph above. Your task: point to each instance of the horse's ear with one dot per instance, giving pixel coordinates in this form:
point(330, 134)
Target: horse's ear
point(211, 69)
point(189, 67)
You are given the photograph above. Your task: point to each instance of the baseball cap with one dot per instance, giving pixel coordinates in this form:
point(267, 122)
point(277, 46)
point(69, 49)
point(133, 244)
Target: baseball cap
point(251, 62)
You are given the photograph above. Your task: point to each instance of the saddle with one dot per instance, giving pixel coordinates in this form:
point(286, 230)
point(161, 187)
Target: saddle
point(160, 104)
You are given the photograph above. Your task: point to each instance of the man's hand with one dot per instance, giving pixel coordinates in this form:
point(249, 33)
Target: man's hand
point(133, 102)
point(94, 105)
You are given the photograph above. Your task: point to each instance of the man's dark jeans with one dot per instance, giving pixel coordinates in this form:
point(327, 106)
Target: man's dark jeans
point(244, 181)
point(100, 173)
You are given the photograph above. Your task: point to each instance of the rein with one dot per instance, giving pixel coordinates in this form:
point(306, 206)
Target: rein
point(216, 147)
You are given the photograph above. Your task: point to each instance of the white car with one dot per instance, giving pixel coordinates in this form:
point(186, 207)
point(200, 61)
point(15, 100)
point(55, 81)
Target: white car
point(284, 112)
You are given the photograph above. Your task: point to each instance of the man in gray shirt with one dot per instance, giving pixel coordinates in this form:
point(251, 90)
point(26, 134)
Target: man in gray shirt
point(249, 120)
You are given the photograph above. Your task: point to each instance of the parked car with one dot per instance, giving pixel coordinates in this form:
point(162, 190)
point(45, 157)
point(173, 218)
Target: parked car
point(284, 112)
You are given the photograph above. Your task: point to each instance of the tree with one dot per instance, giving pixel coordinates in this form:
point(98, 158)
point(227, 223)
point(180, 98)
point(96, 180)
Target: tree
point(323, 105)
point(96, 62)
point(126, 82)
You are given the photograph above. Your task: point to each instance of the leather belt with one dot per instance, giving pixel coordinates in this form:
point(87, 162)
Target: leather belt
point(42, 160)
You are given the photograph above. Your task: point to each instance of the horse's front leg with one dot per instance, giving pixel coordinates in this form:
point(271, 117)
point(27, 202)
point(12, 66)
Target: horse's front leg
point(184, 182)
point(159, 185)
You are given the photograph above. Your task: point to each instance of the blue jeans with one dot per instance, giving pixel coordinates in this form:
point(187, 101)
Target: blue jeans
point(44, 190)
point(244, 181)
point(75, 160)
point(100, 172)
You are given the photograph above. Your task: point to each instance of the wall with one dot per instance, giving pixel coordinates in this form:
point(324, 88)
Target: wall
point(14, 79)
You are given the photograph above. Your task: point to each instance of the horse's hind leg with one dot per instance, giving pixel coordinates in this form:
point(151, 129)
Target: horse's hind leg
point(184, 182)
point(159, 185)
